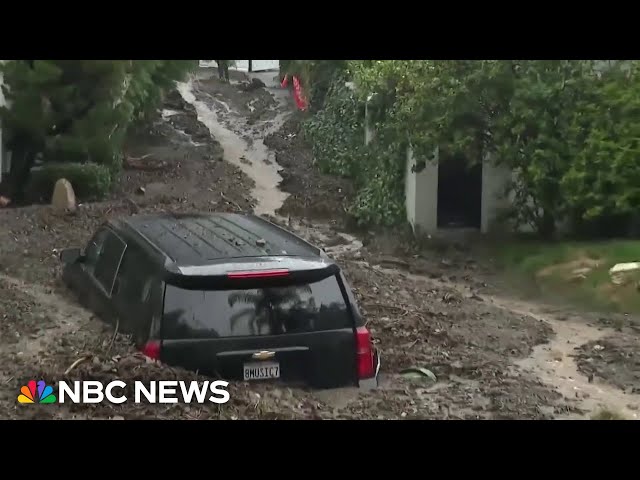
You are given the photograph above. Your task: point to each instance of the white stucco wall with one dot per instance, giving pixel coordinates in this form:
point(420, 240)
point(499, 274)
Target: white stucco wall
point(495, 178)
point(243, 65)
point(421, 194)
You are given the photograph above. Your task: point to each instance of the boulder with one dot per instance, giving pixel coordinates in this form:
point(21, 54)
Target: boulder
point(64, 198)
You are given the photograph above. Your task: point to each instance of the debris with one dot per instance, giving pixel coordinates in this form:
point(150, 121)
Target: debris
point(619, 273)
point(261, 242)
point(418, 372)
point(76, 363)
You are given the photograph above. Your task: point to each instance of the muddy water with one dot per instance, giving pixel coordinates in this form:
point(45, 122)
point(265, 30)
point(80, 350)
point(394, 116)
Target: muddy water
point(255, 160)
point(553, 363)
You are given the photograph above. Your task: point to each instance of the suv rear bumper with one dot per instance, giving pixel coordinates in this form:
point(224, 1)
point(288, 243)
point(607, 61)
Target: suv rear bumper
point(370, 383)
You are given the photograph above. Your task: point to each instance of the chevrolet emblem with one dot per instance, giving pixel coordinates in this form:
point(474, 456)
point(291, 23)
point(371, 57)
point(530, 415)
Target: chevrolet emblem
point(263, 355)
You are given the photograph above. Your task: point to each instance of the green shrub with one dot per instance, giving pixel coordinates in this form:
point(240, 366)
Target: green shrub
point(336, 134)
point(78, 111)
point(90, 181)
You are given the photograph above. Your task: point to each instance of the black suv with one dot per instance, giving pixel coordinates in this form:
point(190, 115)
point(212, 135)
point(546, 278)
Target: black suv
point(230, 295)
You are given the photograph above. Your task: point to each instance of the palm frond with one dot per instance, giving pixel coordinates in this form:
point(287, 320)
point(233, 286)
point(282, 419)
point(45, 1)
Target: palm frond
point(244, 297)
point(238, 315)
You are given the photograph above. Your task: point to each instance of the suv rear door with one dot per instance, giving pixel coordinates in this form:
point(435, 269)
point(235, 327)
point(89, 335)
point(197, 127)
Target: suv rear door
point(301, 333)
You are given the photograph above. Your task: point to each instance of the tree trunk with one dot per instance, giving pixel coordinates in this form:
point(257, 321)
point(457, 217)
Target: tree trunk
point(547, 225)
point(22, 160)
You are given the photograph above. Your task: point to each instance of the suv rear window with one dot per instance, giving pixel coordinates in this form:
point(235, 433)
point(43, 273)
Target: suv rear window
point(266, 311)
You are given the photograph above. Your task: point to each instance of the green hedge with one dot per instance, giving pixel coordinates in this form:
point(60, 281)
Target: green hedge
point(90, 181)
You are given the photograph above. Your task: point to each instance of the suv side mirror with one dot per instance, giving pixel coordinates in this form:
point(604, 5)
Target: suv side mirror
point(71, 255)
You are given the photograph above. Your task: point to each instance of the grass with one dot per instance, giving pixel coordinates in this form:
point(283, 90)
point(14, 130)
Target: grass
point(575, 271)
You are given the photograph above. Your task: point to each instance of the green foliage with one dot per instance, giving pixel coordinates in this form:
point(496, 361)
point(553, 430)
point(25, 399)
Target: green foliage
point(602, 184)
point(89, 180)
point(380, 197)
point(569, 133)
point(78, 110)
point(568, 129)
point(337, 134)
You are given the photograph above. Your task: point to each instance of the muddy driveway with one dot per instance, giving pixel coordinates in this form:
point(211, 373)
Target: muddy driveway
point(238, 147)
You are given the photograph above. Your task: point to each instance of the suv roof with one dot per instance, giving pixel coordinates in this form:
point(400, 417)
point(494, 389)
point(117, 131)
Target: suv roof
point(186, 240)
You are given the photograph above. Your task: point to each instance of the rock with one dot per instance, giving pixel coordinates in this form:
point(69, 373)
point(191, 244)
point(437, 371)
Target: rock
point(257, 83)
point(261, 242)
point(4, 201)
point(141, 191)
point(621, 271)
point(63, 197)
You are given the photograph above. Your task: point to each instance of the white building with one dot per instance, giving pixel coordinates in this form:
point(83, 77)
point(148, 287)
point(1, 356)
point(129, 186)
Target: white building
point(448, 195)
point(246, 65)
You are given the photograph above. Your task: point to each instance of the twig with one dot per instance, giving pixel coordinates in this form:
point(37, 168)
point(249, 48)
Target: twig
point(115, 334)
point(76, 363)
point(138, 158)
point(231, 202)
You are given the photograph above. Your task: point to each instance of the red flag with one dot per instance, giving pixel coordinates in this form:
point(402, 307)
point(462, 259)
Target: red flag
point(298, 94)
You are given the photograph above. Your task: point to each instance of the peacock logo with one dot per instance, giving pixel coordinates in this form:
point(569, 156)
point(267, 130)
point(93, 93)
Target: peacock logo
point(42, 394)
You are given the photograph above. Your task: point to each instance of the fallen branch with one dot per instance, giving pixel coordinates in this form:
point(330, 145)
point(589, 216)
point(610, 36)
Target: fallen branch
point(230, 202)
point(136, 163)
point(76, 363)
point(115, 334)
point(135, 159)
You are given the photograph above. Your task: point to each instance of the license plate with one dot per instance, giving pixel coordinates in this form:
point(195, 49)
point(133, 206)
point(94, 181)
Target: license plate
point(261, 370)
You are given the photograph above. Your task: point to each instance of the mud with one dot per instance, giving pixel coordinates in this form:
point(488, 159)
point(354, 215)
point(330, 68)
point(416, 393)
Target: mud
point(311, 193)
point(613, 359)
point(234, 148)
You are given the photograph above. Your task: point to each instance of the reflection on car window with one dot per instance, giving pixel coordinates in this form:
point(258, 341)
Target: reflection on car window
point(109, 260)
point(94, 250)
point(133, 277)
point(268, 311)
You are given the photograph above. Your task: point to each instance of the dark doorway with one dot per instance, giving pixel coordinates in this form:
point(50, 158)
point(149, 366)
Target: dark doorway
point(459, 193)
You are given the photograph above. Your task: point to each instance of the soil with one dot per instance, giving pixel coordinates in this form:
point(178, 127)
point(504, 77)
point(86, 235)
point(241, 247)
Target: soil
point(312, 194)
point(615, 359)
point(238, 147)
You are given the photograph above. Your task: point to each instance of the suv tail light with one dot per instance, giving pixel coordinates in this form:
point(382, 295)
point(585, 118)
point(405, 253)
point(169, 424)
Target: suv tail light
point(365, 353)
point(152, 349)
